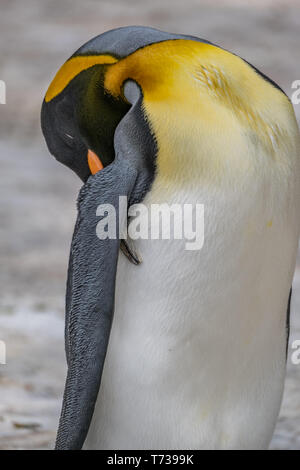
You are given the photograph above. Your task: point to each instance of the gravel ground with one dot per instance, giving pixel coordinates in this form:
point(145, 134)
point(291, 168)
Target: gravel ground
point(37, 209)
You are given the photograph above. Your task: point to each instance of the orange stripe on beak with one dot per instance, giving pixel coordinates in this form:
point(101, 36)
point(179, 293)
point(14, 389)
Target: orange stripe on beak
point(94, 162)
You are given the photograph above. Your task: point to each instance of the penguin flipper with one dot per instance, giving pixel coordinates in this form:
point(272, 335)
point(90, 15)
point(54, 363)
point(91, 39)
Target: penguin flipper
point(90, 302)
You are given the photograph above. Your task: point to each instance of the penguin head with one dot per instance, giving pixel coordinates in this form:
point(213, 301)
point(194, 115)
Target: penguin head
point(78, 115)
point(82, 107)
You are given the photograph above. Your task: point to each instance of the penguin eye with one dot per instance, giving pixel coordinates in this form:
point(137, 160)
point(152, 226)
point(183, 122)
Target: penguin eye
point(69, 136)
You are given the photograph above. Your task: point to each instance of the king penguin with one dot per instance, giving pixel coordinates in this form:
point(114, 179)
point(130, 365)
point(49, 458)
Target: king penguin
point(169, 348)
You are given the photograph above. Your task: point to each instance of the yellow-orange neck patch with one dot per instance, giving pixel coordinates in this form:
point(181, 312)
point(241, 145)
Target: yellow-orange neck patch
point(199, 79)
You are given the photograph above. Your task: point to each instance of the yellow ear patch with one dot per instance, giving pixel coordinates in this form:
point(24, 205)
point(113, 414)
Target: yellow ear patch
point(73, 67)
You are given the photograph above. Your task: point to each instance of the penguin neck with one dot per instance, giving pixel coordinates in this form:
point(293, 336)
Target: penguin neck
point(208, 109)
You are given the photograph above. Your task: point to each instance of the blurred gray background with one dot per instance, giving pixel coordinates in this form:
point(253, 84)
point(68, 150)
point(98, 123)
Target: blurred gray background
point(37, 209)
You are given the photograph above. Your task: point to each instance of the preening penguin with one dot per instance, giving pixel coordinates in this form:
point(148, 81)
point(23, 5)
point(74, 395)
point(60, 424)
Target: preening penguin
point(187, 350)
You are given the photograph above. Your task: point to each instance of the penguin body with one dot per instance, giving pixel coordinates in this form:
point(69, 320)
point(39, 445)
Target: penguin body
point(197, 350)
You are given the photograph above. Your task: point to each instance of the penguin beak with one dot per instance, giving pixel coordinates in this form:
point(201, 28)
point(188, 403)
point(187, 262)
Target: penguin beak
point(90, 295)
point(94, 162)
